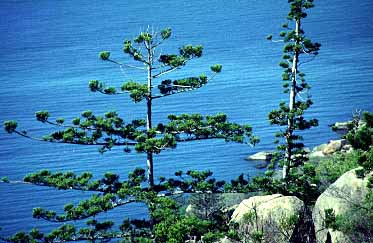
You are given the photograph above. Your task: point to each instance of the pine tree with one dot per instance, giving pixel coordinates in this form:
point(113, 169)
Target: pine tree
point(291, 115)
point(166, 222)
point(110, 130)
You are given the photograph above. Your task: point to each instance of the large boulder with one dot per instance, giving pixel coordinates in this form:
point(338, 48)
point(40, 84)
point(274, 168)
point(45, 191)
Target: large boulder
point(334, 146)
point(318, 151)
point(316, 154)
point(348, 190)
point(330, 148)
point(277, 216)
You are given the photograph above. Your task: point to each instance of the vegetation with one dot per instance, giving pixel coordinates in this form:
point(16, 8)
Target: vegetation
point(209, 217)
point(357, 222)
point(329, 169)
point(298, 176)
point(291, 115)
point(166, 223)
point(111, 130)
point(360, 134)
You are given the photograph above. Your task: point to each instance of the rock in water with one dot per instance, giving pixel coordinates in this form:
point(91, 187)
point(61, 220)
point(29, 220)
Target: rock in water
point(340, 126)
point(261, 156)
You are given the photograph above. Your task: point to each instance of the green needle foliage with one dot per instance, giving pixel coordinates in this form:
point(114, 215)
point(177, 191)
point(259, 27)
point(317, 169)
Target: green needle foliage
point(166, 223)
point(110, 130)
point(360, 131)
point(290, 115)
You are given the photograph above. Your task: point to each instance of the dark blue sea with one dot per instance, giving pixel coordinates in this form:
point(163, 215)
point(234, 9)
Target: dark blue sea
point(49, 52)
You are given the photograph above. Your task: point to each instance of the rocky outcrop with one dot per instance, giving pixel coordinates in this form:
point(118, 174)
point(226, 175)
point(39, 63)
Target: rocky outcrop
point(348, 190)
point(277, 216)
point(266, 156)
point(340, 126)
point(334, 146)
point(330, 148)
point(343, 127)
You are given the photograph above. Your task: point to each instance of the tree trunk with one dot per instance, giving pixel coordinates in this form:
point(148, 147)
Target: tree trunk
point(149, 160)
point(293, 93)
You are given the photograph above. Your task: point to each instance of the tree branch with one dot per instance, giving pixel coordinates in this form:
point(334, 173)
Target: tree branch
point(165, 72)
point(126, 65)
point(198, 138)
point(76, 142)
point(114, 205)
point(116, 93)
point(171, 69)
point(50, 185)
point(177, 92)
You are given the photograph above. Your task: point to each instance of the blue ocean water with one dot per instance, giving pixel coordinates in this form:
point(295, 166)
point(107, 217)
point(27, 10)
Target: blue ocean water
point(49, 52)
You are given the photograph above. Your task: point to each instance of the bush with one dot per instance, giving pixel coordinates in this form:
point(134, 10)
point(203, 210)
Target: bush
point(357, 223)
point(211, 237)
point(360, 134)
point(328, 170)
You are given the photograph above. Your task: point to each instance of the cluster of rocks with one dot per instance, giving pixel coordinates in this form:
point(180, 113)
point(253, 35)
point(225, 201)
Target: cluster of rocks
point(330, 148)
point(271, 214)
point(326, 149)
point(284, 219)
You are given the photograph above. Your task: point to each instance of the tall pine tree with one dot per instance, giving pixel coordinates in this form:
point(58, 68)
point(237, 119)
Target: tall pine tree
point(290, 115)
point(110, 130)
point(166, 222)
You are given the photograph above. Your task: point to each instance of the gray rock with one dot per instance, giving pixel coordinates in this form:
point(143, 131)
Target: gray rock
point(317, 154)
point(346, 191)
point(347, 148)
point(269, 213)
point(334, 146)
point(321, 147)
point(340, 126)
point(261, 156)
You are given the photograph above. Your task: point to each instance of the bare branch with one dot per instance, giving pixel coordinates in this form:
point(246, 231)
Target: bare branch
point(70, 126)
point(188, 88)
point(165, 72)
point(275, 41)
point(126, 65)
point(116, 93)
point(313, 57)
point(198, 138)
point(171, 69)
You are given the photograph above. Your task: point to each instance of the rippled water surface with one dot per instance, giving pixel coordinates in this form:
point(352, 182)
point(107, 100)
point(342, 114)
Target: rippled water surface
point(49, 53)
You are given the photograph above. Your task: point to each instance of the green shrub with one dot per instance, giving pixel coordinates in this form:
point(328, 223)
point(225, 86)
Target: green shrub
point(360, 135)
point(211, 237)
point(357, 223)
point(328, 170)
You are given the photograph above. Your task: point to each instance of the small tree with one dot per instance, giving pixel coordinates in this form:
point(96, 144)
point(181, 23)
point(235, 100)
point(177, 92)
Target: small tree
point(110, 130)
point(291, 115)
